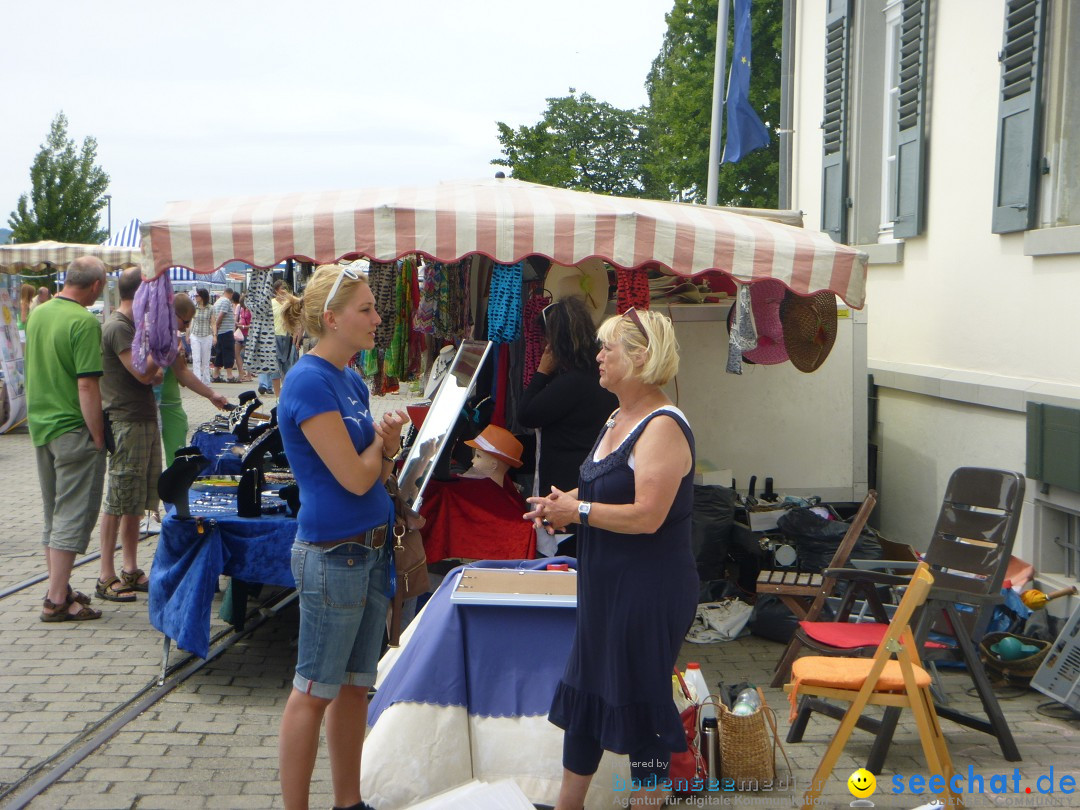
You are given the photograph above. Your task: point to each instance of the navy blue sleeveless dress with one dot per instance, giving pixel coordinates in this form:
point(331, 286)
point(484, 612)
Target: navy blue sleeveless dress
point(637, 597)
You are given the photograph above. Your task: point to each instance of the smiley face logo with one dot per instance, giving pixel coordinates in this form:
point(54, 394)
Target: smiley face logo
point(862, 784)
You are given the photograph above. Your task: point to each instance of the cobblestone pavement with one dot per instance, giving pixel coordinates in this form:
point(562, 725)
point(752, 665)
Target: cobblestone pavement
point(212, 741)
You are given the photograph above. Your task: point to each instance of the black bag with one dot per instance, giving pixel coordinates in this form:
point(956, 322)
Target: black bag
point(816, 539)
point(710, 529)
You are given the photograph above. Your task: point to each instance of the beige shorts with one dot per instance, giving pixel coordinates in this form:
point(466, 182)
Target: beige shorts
point(134, 469)
point(72, 473)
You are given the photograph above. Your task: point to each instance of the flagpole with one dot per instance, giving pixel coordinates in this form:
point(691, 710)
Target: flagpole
point(717, 101)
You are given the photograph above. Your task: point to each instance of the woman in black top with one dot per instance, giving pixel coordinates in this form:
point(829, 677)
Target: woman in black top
point(564, 398)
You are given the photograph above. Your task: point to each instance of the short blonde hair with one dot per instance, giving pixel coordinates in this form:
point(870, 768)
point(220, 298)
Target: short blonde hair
point(307, 310)
point(657, 346)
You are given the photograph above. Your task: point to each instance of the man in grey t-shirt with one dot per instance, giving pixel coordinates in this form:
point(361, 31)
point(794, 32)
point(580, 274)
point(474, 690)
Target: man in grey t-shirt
point(224, 342)
point(135, 460)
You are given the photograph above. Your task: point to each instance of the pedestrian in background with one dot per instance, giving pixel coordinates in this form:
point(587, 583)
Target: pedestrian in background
point(174, 421)
point(224, 339)
point(135, 458)
point(63, 402)
point(243, 321)
point(202, 335)
point(286, 339)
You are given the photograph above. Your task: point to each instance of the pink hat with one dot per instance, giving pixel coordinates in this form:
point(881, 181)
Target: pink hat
point(765, 299)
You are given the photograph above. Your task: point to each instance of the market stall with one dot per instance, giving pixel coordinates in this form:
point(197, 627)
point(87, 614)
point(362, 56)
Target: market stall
point(29, 258)
point(503, 229)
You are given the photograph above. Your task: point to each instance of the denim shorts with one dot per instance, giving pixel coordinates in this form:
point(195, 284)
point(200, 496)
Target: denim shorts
point(343, 602)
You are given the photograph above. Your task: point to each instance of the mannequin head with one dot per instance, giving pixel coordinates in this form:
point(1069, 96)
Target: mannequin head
point(495, 451)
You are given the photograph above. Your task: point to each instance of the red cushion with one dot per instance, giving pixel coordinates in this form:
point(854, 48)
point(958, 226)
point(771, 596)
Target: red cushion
point(849, 635)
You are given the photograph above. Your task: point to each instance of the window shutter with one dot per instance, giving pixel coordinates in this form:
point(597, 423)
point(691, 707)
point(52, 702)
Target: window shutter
point(910, 118)
point(834, 124)
point(1019, 116)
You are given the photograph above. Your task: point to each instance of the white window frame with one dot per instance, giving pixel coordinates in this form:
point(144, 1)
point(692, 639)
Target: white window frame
point(1059, 191)
point(891, 89)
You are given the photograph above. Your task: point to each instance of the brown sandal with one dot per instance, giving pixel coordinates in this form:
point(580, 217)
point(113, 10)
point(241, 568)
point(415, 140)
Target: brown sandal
point(131, 580)
point(122, 593)
point(75, 596)
point(60, 613)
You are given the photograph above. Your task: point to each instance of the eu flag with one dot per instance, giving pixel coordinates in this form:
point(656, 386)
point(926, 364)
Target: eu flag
point(745, 132)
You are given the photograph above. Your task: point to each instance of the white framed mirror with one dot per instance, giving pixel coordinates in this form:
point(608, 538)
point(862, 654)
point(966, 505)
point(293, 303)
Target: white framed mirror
point(450, 397)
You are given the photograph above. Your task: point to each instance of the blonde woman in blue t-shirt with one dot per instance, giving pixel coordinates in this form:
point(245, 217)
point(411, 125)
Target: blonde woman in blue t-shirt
point(341, 457)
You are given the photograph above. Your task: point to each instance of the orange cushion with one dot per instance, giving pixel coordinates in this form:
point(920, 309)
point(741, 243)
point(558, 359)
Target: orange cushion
point(847, 673)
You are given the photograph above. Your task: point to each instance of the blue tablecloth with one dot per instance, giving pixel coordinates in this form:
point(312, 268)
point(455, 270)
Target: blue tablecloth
point(218, 448)
point(187, 564)
point(497, 661)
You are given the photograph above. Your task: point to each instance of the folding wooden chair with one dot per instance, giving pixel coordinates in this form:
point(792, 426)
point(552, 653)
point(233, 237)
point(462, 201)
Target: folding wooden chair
point(805, 594)
point(894, 677)
point(968, 554)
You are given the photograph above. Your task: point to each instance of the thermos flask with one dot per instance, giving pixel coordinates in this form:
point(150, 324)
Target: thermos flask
point(710, 747)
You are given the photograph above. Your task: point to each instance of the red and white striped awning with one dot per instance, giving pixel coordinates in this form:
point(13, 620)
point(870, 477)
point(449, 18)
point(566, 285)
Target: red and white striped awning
point(503, 219)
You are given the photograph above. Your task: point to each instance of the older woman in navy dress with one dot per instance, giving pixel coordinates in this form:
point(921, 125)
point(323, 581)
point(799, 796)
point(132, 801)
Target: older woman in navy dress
point(637, 584)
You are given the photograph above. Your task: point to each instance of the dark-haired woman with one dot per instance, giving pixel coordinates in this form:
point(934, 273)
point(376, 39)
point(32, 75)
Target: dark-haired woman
point(564, 398)
point(202, 335)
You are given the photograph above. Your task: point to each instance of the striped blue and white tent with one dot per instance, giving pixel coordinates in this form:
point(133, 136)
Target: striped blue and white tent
point(129, 236)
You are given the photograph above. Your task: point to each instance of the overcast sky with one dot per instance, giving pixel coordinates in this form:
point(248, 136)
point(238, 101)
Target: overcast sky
point(200, 99)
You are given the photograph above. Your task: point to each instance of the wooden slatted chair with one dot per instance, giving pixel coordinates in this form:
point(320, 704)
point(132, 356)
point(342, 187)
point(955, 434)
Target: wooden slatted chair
point(894, 677)
point(805, 594)
point(968, 555)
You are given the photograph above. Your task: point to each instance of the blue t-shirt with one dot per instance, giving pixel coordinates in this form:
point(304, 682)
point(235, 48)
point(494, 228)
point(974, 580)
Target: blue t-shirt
point(328, 511)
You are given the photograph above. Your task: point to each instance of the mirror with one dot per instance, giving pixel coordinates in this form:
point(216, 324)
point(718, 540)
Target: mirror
point(450, 398)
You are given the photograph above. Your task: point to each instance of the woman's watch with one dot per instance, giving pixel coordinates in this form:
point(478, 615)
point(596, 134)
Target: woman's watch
point(583, 509)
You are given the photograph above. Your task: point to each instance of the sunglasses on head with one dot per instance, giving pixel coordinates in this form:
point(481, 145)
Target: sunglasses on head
point(345, 271)
point(632, 315)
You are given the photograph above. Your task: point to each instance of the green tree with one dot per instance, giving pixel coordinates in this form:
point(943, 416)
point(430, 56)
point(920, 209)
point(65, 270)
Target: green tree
point(580, 143)
point(67, 189)
point(680, 107)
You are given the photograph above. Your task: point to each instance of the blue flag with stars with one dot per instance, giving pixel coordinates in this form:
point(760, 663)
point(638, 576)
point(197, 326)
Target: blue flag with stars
point(745, 132)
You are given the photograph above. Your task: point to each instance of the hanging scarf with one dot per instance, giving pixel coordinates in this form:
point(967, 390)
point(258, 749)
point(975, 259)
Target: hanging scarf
point(742, 336)
point(504, 303)
point(632, 289)
point(534, 335)
point(155, 324)
point(382, 277)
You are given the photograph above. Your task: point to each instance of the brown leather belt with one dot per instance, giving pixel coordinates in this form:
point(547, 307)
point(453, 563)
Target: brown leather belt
point(372, 538)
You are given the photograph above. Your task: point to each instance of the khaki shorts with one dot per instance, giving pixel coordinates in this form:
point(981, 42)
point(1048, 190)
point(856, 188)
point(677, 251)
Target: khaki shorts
point(134, 469)
point(72, 473)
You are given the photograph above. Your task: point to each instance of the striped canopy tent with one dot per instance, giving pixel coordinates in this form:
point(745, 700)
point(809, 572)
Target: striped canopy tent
point(505, 220)
point(35, 256)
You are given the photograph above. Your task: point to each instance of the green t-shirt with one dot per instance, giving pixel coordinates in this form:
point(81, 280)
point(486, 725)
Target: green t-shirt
point(170, 389)
point(63, 343)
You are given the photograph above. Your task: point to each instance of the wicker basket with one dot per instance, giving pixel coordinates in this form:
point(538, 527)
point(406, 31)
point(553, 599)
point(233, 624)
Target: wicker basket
point(747, 747)
point(1017, 672)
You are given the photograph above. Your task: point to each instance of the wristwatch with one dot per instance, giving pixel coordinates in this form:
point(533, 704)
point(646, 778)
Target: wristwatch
point(583, 510)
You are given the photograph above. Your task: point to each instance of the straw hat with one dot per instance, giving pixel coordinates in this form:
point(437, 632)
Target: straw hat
point(500, 443)
point(588, 278)
point(765, 299)
point(809, 324)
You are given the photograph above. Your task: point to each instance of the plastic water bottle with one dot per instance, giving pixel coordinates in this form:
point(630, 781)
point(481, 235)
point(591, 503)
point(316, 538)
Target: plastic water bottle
point(746, 702)
point(699, 688)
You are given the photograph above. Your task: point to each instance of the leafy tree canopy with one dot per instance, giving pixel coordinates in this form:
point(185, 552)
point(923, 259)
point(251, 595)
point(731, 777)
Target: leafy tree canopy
point(662, 150)
point(67, 189)
point(680, 107)
point(580, 143)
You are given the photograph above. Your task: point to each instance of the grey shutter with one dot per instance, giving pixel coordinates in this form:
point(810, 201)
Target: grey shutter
point(1019, 116)
point(910, 118)
point(834, 125)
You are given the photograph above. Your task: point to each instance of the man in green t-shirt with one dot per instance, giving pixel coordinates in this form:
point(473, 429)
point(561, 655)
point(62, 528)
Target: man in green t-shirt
point(63, 402)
